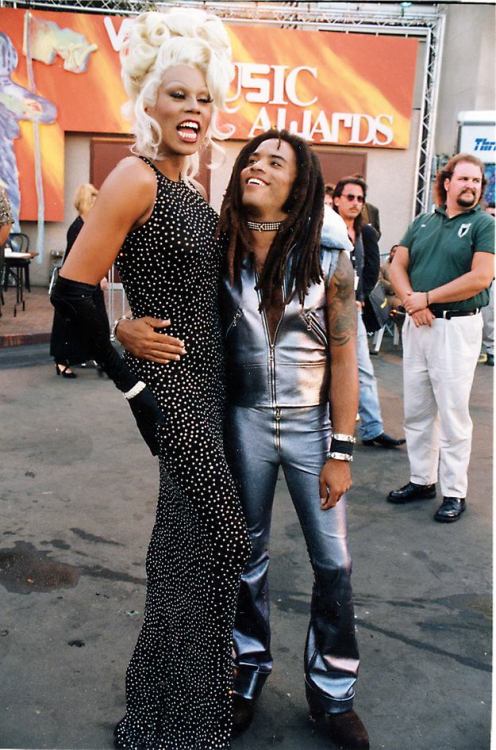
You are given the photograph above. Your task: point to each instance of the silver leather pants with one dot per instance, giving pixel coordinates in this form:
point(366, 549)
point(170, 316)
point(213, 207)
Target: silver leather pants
point(259, 440)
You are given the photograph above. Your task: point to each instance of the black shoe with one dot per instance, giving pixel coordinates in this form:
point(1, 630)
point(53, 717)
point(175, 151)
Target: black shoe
point(65, 371)
point(490, 360)
point(412, 491)
point(243, 713)
point(385, 441)
point(450, 509)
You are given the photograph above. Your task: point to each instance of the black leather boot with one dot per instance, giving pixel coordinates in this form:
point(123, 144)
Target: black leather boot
point(243, 713)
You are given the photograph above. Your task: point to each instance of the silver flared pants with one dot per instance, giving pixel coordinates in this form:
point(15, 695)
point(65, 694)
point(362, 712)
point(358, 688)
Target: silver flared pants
point(259, 441)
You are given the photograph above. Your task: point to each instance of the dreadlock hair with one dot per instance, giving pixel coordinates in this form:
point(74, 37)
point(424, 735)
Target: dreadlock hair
point(338, 192)
point(304, 208)
point(447, 173)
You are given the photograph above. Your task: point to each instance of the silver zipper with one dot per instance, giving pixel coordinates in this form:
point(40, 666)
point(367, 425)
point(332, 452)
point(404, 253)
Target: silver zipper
point(237, 315)
point(278, 427)
point(313, 324)
point(272, 345)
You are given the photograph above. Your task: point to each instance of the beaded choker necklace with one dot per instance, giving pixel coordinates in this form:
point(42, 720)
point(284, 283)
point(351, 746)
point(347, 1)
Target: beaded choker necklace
point(264, 226)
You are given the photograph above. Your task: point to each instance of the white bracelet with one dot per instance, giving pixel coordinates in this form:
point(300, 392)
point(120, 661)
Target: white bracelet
point(340, 456)
point(113, 330)
point(344, 438)
point(134, 390)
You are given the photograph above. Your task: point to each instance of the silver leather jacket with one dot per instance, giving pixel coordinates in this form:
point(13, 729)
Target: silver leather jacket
point(293, 370)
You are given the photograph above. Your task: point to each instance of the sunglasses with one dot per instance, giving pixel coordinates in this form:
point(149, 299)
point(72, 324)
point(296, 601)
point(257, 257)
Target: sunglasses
point(350, 197)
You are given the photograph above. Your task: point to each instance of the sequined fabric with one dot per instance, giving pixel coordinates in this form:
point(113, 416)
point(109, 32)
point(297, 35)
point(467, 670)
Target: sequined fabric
point(6, 216)
point(179, 679)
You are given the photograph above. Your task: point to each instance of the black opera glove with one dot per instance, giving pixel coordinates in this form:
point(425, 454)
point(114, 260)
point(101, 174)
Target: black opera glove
point(75, 301)
point(147, 414)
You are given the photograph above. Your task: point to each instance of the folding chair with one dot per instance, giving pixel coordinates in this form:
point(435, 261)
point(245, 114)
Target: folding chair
point(392, 329)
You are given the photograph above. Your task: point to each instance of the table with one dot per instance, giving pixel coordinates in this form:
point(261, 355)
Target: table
point(18, 275)
point(18, 256)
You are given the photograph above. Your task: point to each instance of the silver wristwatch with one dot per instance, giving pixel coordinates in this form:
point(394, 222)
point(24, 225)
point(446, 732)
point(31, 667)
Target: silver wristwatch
point(113, 337)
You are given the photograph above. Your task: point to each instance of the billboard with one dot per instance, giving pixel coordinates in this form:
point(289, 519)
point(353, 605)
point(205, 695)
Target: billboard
point(328, 87)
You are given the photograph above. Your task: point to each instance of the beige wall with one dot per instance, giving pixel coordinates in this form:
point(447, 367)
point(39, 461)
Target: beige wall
point(391, 187)
point(467, 72)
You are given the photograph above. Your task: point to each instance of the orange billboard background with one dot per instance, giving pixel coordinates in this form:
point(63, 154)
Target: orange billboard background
point(348, 89)
point(330, 87)
point(86, 102)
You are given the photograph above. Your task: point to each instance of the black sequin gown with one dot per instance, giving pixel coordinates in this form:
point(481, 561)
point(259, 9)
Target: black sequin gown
point(178, 682)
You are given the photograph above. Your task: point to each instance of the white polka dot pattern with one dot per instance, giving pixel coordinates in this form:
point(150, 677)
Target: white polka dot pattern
point(179, 680)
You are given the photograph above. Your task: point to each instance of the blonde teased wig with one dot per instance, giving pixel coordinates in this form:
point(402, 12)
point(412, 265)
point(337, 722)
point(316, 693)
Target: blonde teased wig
point(85, 198)
point(158, 41)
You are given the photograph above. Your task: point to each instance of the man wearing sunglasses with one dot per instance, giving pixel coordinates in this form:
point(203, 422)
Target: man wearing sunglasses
point(348, 200)
point(370, 213)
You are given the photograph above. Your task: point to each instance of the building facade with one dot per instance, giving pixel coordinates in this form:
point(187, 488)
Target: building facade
point(448, 46)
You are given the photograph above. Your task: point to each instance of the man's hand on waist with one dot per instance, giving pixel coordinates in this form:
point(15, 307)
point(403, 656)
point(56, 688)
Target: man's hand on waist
point(140, 338)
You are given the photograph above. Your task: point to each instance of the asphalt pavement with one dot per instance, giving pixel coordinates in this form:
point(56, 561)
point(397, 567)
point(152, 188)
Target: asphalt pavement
point(77, 498)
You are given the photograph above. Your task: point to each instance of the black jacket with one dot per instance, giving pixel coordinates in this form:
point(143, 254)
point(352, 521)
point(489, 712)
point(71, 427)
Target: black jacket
point(368, 266)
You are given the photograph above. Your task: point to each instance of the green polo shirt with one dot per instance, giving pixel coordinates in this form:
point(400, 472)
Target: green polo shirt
point(441, 249)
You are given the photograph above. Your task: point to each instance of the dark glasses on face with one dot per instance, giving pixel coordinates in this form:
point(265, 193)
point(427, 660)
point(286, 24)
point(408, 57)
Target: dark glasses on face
point(350, 197)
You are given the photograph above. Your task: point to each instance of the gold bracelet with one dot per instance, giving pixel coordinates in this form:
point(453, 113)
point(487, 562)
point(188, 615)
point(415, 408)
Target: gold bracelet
point(427, 299)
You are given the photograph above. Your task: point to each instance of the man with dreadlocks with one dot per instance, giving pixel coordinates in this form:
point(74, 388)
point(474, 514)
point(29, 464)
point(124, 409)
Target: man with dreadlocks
point(289, 310)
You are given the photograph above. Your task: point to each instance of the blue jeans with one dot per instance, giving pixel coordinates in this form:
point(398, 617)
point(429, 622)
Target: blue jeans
point(369, 408)
point(259, 441)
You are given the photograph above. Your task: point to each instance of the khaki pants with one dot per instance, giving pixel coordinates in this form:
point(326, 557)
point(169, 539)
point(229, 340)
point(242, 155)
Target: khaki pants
point(488, 318)
point(438, 371)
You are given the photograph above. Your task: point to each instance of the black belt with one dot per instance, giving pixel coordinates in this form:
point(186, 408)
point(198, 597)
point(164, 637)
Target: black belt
point(454, 313)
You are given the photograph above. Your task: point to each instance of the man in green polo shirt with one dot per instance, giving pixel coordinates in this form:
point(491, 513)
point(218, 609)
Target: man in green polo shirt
point(441, 272)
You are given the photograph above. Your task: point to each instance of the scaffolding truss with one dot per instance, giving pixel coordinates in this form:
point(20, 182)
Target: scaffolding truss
point(425, 22)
